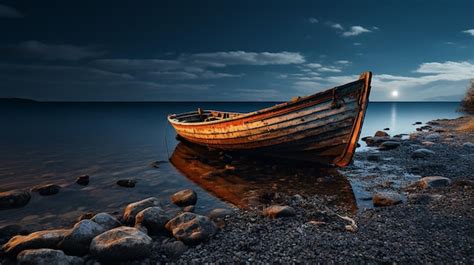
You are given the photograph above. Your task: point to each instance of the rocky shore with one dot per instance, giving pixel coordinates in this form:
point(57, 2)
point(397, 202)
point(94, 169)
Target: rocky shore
point(418, 189)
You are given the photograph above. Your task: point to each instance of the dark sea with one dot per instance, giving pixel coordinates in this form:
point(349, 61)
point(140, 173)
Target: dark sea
point(44, 143)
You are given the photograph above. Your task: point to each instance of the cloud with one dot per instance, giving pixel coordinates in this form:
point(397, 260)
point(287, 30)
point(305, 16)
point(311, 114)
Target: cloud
point(448, 74)
point(335, 25)
point(139, 65)
point(221, 59)
point(9, 12)
point(430, 72)
point(195, 65)
point(187, 75)
point(329, 69)
point(59, 73)
point(343, 62)
point(469, 31)
point(191, 86)
point(320, 68)
point(57, 52)
point(162, 69)
point(357, 43)
point(314, 65)
point(455, 70)
point(75, 83)
point(214, 75)
point(313, 20)
point(174, 75)
point(354, 31)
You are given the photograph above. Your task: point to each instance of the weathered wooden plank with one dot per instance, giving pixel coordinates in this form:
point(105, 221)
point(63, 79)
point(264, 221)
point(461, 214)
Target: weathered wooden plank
point(312, 121)
point(294, 117)
point(282, 138)
point(310, 126)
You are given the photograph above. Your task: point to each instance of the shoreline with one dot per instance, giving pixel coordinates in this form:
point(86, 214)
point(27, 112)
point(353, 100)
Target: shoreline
point(428, 225)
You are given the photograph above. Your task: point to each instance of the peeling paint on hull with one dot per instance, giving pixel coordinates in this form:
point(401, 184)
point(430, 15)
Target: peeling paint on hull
point(323, 127)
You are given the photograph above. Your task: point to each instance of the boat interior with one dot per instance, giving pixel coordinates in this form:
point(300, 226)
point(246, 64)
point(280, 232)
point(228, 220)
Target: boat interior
point(203, 116)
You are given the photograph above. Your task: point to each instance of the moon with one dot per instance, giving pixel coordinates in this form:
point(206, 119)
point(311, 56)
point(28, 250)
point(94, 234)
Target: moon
point(394, 93)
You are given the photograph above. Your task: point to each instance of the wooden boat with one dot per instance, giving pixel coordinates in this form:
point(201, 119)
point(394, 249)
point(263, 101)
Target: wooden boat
point(322, 128)
point(249, 183)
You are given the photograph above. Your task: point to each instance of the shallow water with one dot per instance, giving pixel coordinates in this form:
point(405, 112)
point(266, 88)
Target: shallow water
point(56, 142)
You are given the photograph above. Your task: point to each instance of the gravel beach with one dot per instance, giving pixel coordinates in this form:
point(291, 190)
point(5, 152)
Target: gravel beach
point(422, 184)
point(431, 226)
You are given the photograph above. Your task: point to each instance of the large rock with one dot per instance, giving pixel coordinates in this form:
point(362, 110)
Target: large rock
point(47, 190)
point(386, 199)
point(82, 180)
point(45, 256)
point(277, 211)
point(191, 228)
point(127, 183)
point(121, 244)
point(220, 213)
point(189, 208)
point(375, 141)
point(388, 145)
point(381, 134)
point(468, 145)
point(153, 218)
point(184, 198)
point(133, 208)
point(427, 143)
point(86, 215)
point(106, 220)
point(422, 153)
point(173, 248)
point(414, 136)
point(432, 137)
point(40, 239)
point(433, 182)
point(14, 199)
point(76, 242)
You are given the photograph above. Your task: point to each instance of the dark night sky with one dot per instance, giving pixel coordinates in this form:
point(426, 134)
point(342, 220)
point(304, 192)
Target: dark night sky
point(233, 50)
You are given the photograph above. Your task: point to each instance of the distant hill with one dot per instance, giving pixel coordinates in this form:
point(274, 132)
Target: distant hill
point(17, 100)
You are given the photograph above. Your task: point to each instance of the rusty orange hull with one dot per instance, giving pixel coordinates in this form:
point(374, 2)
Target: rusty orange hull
point(323, 127)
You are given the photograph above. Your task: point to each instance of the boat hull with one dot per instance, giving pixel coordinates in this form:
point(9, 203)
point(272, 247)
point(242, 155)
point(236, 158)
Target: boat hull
point(322, 128)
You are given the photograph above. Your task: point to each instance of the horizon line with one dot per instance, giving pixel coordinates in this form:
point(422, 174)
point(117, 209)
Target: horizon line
point(204, 101)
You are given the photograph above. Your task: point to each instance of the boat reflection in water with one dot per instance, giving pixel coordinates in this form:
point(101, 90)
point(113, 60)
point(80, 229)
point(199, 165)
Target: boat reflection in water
point(247, 182)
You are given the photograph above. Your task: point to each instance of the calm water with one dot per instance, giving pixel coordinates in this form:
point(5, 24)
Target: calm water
point(55, 142)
